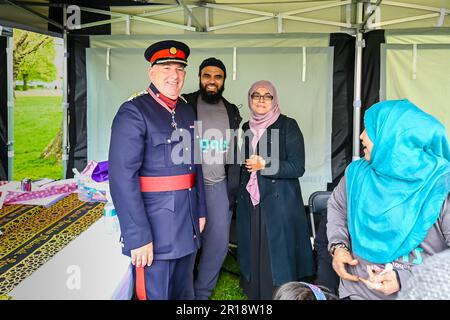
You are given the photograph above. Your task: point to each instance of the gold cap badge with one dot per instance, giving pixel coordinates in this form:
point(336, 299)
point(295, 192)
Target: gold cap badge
point(173, 50)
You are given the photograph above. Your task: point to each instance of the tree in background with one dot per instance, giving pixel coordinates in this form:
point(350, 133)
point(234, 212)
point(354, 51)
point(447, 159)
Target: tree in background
point(34, 56)
point(54, 148)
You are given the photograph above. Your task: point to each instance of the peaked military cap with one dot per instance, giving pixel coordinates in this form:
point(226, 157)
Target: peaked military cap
point(167, 51)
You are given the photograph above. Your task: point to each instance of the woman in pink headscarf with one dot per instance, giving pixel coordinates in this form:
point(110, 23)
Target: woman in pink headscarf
point(273, 237)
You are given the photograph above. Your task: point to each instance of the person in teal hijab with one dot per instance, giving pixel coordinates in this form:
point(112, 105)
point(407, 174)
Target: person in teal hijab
point(391, 200)
point(408, 171)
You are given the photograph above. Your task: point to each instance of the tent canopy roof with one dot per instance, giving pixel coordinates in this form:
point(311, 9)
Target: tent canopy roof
point(221, 16)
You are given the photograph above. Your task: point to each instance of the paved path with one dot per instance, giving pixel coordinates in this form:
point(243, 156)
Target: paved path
point(38, 92)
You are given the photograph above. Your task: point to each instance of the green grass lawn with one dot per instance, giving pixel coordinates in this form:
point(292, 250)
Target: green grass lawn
point(227, 287)
point(36, 122)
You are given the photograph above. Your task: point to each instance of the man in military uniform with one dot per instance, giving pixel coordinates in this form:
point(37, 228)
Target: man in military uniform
point(160, 202)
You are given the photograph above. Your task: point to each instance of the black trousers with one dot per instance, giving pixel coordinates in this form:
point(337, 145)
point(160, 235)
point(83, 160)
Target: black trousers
point(260, 285)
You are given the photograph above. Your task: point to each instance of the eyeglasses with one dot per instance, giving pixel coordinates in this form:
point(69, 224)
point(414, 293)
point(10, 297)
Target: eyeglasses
point(257, 97)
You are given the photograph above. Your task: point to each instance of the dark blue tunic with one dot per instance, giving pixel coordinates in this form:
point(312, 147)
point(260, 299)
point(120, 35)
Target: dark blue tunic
point(142, 145)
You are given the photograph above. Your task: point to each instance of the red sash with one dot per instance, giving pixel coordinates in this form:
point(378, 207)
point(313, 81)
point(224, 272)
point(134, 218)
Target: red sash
point(167, 183)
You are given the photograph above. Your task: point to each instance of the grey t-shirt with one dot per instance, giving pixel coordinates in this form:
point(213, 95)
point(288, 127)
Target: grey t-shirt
point(437, 240)
point(213, 140)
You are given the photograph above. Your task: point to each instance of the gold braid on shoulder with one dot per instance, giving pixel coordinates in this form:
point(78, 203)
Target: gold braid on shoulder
point(137, 94)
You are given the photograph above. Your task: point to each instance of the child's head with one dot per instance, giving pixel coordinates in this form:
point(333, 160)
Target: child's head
point(303, 291)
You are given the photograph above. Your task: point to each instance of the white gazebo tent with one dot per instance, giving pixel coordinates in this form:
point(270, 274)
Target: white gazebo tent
point(413, 28)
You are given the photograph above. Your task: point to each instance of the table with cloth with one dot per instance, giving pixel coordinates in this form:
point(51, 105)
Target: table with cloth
point(61, 252)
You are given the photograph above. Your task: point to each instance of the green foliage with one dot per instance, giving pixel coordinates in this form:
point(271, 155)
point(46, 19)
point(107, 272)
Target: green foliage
point(36, 121)
point(34, 56)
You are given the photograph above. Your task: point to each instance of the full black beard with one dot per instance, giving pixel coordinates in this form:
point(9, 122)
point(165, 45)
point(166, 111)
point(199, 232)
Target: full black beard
point(211, 98)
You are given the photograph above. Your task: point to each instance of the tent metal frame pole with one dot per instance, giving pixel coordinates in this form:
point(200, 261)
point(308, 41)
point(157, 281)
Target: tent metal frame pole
point(207, 25)
point(65, 103)
point(239, 10)
point(174, 8)
point(143, 18)
point(191, 16)
point(357, 90)
point(321, 7)
point(160, 12)
point(128, 25)
point(239, 23)
point(102, 22)
point(361, 21)
point(408, 19)
point(368, 16)
point(318, 21)
point(411, 6)
point(10, 103)
point(163, 23)
point(288, 15)
point(280, 23)
point(436, 12)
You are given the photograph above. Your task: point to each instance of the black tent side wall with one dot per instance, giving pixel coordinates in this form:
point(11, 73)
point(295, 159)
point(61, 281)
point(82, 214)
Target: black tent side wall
point(371, 64)
point(77, 103)
point(343, 91)
point(3, 110)
point(77, 44)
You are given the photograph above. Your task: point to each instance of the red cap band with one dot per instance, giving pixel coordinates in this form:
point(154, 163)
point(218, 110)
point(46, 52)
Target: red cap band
point(167, 54)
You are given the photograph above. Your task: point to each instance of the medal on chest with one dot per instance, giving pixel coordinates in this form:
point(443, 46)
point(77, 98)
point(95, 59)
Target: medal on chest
point(174, 123)
point(164, 105)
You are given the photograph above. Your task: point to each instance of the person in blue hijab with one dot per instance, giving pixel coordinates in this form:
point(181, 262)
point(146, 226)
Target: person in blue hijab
point(390, 210)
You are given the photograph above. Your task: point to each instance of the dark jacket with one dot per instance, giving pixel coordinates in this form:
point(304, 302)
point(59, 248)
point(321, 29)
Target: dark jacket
point(281, 207)
point(232, 170)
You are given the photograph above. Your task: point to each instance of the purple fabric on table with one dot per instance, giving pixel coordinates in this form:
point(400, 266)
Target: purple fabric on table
point(100, 172)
